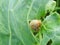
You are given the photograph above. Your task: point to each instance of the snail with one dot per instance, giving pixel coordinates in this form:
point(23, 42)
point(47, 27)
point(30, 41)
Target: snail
point(35, 24)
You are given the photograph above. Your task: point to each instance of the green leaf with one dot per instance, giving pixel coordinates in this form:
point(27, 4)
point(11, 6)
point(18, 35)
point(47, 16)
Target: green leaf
point(13, 23)
point(51, 5)
point(51, 29)
point(38, 9)
point(14, 20)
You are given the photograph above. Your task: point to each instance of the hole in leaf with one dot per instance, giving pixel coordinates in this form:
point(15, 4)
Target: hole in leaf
point(29, 21)
point(49, 42)
point(42, 35)
point(42, 18)
point(47, 13)
point(35, 33)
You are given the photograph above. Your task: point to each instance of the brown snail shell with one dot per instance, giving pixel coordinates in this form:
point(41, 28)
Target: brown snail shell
point(35, 24)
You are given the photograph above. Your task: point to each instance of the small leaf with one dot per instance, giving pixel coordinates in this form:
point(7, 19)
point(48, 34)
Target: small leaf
point(14, 20)
point(50, 6)
point(51, 28)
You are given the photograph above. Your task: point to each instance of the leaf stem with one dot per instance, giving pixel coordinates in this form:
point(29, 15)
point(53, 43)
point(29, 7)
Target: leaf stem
point(9, 23)
point(29, 11)
point(9, 28)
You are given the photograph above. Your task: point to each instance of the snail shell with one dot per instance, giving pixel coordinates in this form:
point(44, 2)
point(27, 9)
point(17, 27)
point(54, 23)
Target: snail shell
point(35, 24)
